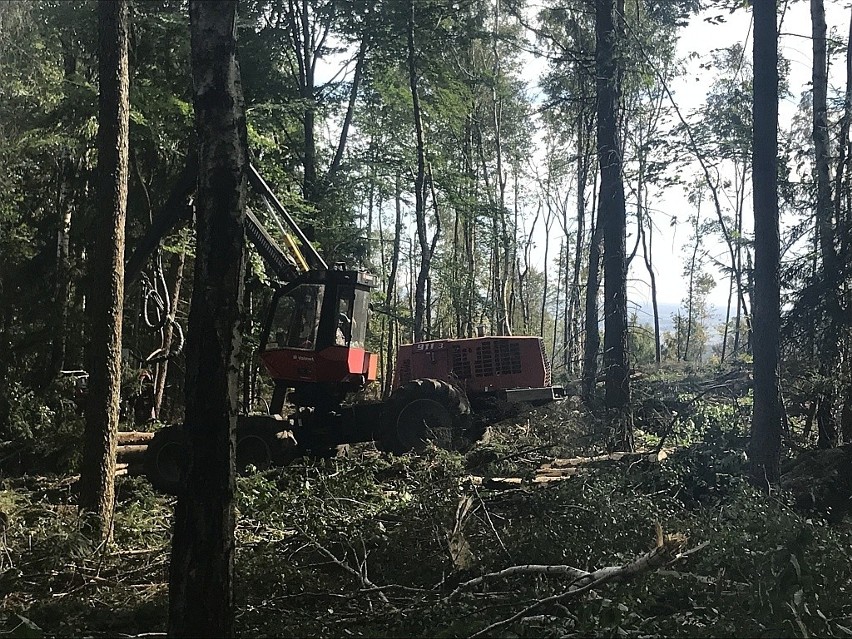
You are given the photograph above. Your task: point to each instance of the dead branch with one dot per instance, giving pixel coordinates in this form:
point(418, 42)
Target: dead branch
point(528, 569)
point(360, 575)
point(668, 550)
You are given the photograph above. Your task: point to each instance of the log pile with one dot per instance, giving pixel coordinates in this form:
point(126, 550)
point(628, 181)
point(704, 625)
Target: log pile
point(130, 452)
point(560, 469)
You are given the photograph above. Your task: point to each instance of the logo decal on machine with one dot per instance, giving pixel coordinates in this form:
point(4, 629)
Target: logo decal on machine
point(429, 346)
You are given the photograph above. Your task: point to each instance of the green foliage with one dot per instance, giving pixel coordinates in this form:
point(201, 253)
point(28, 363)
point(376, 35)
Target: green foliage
point(312, 538)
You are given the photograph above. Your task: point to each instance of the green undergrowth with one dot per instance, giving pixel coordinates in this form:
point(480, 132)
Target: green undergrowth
point(374, 545)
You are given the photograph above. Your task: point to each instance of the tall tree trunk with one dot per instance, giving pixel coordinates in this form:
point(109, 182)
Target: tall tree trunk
point(613, 216)
point(419, 189)
point(62, 287)
point(97, 491)
point(825, 226)
point(548, 224)
point(391, 289)
point(310, 186)
point(830, 343)
point(690, 291)
point(647, 253)
point(572, 333)
point(202, 561)
point(766, 426)
point(592, 344)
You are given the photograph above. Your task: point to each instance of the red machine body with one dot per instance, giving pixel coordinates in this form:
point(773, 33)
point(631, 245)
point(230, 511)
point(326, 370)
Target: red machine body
point(478, 365)
point(332, 364)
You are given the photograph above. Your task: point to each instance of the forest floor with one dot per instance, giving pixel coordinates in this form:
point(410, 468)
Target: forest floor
point(382, 546)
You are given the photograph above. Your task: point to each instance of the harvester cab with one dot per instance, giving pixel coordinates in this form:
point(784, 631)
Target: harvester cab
point(315, 334)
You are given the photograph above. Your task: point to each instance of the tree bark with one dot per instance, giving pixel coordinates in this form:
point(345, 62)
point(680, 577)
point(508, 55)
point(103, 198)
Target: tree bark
point(613, 214)
point(97, 491)
point(202, 561)
point(825, 227)
point(830, 347)
point(592, 343)
point(419, 189)
point(62, 289)
point(572, 334)
point(391, 290)
point(766, 426)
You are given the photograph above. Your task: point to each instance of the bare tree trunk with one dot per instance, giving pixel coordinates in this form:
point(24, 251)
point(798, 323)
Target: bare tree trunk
point(548, 224)
point(572, 336)
point(501, 240)
point(830, 344)
point(825, 226)
point(97, 491)
point(766, 426)
point(419, 189)
point(727, 319)
point(391, 289)
point(62, 288)
point(613, 216)
point(690, 292)
point(560, 262)
point(647, 253)
point(202, 561)
point(592, 344)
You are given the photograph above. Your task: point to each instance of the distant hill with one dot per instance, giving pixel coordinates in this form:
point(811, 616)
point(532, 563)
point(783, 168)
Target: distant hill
point(645, 314)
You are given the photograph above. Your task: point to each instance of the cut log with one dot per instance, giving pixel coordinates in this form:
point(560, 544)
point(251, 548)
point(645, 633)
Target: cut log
point(128, 437)
point(496, 482)
point(129, 469)
point(560, 472)
point(649, 456)
point(130, 452)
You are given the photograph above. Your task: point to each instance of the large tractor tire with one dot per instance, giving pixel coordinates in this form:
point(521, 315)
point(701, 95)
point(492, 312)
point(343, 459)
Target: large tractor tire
point(262, 444)
point(423, 411)
point(166, 458)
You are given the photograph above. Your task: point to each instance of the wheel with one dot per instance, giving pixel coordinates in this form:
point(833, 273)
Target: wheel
point(421, 411)
point(166, 459)
point(262, 443)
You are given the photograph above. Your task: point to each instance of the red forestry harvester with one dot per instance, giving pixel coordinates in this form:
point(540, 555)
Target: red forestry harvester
point(313, 346)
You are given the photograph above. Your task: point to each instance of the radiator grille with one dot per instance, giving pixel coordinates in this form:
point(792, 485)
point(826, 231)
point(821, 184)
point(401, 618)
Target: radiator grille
point(461, 363)
point(483, 366)
point(508, 356)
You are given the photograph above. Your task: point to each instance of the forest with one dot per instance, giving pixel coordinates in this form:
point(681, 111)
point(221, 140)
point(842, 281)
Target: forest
point(457, 318)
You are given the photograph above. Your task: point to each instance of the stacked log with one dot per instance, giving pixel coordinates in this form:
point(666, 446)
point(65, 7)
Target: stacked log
point(560, 469)
point(130, 452)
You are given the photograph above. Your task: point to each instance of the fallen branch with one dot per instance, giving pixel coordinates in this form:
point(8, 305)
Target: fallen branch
point(668, 550)
point(360, 575)
point(528, 569)
point(650, 456)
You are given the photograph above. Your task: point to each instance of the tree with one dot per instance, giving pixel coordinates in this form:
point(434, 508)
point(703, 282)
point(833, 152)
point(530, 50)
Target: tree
point(825, 230)
point(613, 216)
point(766, 425)
point(427, 249)
point(97, 492)
point(202, 561)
